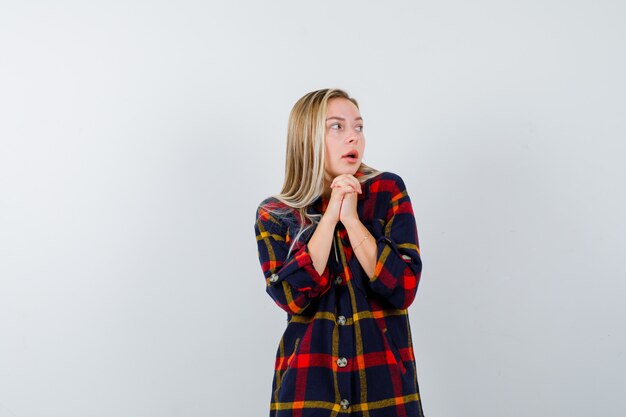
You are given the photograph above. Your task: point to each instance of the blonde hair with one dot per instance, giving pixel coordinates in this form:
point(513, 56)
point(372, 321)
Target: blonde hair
point(305, 156)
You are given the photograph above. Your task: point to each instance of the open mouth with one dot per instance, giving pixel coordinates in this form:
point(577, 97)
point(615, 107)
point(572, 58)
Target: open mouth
point(351, 156)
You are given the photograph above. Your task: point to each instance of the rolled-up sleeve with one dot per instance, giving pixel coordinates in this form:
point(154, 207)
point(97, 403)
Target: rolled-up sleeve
point(293, 283)
point(398, 264)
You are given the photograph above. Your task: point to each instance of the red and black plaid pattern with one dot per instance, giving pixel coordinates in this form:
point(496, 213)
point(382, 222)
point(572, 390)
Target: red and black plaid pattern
point(347, 348)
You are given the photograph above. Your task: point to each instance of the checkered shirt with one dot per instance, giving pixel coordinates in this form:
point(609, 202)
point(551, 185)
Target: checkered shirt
point(347, 348)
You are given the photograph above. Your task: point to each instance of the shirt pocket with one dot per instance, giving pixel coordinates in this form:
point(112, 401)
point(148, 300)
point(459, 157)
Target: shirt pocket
point(286, 383)
point(293, 354)
point(391, 345)
point(290, 361)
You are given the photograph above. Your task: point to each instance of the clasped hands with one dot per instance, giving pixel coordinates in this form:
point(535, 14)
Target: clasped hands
point(343, 199)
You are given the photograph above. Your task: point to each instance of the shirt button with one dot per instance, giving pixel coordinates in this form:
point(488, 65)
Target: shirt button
point(342, 362)
point(338, 280)
point(344, 404)
point(341, 320)
point(274, 278)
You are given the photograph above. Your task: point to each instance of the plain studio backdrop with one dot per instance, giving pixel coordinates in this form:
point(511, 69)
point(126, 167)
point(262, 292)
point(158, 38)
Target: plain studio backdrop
point(138, 137)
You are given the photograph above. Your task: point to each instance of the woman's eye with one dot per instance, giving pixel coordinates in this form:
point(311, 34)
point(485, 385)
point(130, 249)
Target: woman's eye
point(335, 126)
point(359, 128)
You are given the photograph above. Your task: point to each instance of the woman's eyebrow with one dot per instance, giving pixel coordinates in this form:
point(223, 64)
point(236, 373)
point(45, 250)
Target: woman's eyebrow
point(341, 118)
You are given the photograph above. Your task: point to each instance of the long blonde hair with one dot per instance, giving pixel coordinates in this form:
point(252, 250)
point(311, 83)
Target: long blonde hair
point(305, 156)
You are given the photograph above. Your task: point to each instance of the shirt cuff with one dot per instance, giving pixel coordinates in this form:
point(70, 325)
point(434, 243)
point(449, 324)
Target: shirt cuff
point(301, 275)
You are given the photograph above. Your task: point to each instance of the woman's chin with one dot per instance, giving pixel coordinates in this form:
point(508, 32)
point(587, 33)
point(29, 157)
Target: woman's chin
point(353, 169)
point(343, 170)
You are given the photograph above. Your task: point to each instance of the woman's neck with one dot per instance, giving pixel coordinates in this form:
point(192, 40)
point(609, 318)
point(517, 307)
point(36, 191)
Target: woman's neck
point(327, 190)
point(326, 194)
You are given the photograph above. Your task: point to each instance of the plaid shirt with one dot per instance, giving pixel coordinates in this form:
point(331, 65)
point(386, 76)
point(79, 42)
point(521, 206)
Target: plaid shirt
point(347, 348)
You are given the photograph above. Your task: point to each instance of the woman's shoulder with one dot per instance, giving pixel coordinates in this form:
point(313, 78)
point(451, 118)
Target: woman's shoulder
point(272, 204)
point(273, 210)
point(385, 181)
point(272, 207)
point(384, 191)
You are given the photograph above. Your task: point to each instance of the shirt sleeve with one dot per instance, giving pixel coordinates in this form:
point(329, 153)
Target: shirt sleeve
point(398, 264)
point(292, 282)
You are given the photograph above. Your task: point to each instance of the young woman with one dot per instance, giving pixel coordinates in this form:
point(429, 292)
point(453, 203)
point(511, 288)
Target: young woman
point(339, 250)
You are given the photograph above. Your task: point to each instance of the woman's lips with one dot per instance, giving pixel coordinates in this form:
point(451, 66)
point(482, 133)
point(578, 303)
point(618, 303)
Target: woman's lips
point(351, 157)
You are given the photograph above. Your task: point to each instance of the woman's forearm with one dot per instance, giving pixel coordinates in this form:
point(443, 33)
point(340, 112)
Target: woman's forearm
point(363, 244)
point(320, 244)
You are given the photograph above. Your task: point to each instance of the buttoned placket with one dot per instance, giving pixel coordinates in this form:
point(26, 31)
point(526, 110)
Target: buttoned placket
point(345, 332)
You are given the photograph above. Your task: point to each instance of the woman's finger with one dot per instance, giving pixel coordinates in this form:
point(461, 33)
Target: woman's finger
point(349, 179)
point(346, 182)
point(357, 184)
point(345, 188)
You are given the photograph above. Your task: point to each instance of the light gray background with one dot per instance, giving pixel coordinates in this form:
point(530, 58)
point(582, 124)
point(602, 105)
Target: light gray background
point(137, 139)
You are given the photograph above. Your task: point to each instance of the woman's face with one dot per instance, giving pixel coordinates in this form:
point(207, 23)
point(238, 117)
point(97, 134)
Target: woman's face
point(345, 142)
